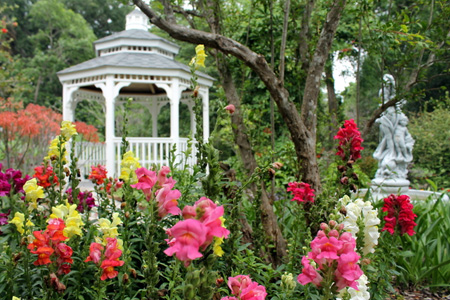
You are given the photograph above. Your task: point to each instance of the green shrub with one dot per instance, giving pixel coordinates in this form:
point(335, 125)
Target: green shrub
point(431, 152)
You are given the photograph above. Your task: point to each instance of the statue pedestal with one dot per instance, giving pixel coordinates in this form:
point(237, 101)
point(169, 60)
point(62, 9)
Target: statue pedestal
point(390, 186)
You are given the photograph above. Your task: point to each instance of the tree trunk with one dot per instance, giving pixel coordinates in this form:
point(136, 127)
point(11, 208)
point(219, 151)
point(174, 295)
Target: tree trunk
point(268, 217)
point(332, 101)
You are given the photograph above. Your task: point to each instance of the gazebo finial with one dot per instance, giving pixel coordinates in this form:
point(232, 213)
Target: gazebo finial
point(136, 20)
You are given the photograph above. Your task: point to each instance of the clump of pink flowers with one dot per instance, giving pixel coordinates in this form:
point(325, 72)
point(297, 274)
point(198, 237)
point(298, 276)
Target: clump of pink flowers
point(332, 263)
point(243, 288)
point(202, 223)
point(349, 141)
point(400, 215)
point(301, 191)
point(158, 186)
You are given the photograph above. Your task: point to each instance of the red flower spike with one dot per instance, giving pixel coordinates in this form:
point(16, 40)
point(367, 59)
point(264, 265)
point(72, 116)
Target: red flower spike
point(400, 215)
point(349, 141)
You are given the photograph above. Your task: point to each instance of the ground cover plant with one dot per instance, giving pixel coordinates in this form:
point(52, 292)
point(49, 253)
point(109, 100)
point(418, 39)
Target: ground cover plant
point(169, 232)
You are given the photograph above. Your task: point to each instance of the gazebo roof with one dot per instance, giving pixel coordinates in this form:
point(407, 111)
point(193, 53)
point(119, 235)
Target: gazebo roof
point(136, 34)
point(131, 60)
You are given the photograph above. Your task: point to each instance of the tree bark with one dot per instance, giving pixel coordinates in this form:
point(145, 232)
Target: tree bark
point(268, 216)
point(332, 101)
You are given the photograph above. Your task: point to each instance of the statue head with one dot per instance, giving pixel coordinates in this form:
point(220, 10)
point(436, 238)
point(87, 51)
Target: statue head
point(387, 92)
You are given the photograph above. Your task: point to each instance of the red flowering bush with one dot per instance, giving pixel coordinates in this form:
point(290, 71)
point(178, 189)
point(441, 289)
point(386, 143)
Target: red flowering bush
point(349, 141)
point(43, 174)
point(98, 174)
point(107, 259)
point(301, 191)
point(400, 214)
point(48, 243)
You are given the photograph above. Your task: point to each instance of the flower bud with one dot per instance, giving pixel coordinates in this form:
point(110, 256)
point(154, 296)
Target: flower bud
point(189, 292)
point(341, 227)
point(122, 205)
point(365, 261)
point(219, 281)
point(332, 223)
point(343, 211)
point(341, 169)
point(133, 273)
point(333, 233)
point(324, 226)
point(125, 278)
point(195, 92)
point(127, 214)
point(353, 188)
point(355, 176)
point(230, 108)
point(344, 180)
point(277, 165)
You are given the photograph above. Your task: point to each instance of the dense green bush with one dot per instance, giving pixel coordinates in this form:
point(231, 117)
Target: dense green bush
point(431, 132)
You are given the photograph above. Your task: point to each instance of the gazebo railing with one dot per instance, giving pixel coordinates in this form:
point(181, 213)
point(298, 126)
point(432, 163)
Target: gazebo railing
point(149, 151)
point(89, 154)
point(155, 151)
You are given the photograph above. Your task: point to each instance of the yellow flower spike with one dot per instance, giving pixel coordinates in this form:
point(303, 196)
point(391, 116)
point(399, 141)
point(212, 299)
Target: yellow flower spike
point(116, 220)
point(108, 230)
point(200, 56)
point(33, 192)
point(128, 166)
point(18, 220)
point(59, 211)
point(53, 150)
point(68, 129)
point(216, 247)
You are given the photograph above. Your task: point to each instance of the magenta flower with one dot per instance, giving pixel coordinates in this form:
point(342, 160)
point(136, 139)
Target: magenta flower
point(244, 288)
point(309, 273)
point(162, 175)
point(301, 191)
point(168, 202)
point(230, 108)
point(186, 238)
point(146, 181)
point(348, 271)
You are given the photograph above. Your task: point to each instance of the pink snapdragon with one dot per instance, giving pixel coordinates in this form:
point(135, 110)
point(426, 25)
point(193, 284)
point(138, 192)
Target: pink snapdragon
point(332, 248)
point(186, 237)
point(166, 197)
point(146, 181)
point(244, 288)
point(202, 223)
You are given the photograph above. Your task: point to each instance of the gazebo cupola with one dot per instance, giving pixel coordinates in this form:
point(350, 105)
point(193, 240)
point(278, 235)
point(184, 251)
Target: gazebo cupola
point(136, 64)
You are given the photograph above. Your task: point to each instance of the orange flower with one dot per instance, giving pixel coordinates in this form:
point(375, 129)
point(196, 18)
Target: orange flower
point(43, 255)
point(108, 268)
point(98, 174)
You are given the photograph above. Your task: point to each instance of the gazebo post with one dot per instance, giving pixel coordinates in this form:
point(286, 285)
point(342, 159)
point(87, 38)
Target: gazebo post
point(174, 94)
point(110, 91)
point(205, 106)
point(68, 109)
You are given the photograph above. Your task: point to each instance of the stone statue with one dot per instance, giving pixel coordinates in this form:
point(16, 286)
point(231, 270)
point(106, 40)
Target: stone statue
point(394, 152)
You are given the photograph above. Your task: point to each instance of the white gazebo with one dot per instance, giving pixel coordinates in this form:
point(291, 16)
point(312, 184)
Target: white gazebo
point(136, 64)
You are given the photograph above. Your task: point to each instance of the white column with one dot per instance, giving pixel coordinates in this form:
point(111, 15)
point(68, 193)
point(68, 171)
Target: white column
point(154, 110)
point(190, 106)
point(68, 103)
point(110, 91)
point(174, 97)
point(205, 106)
